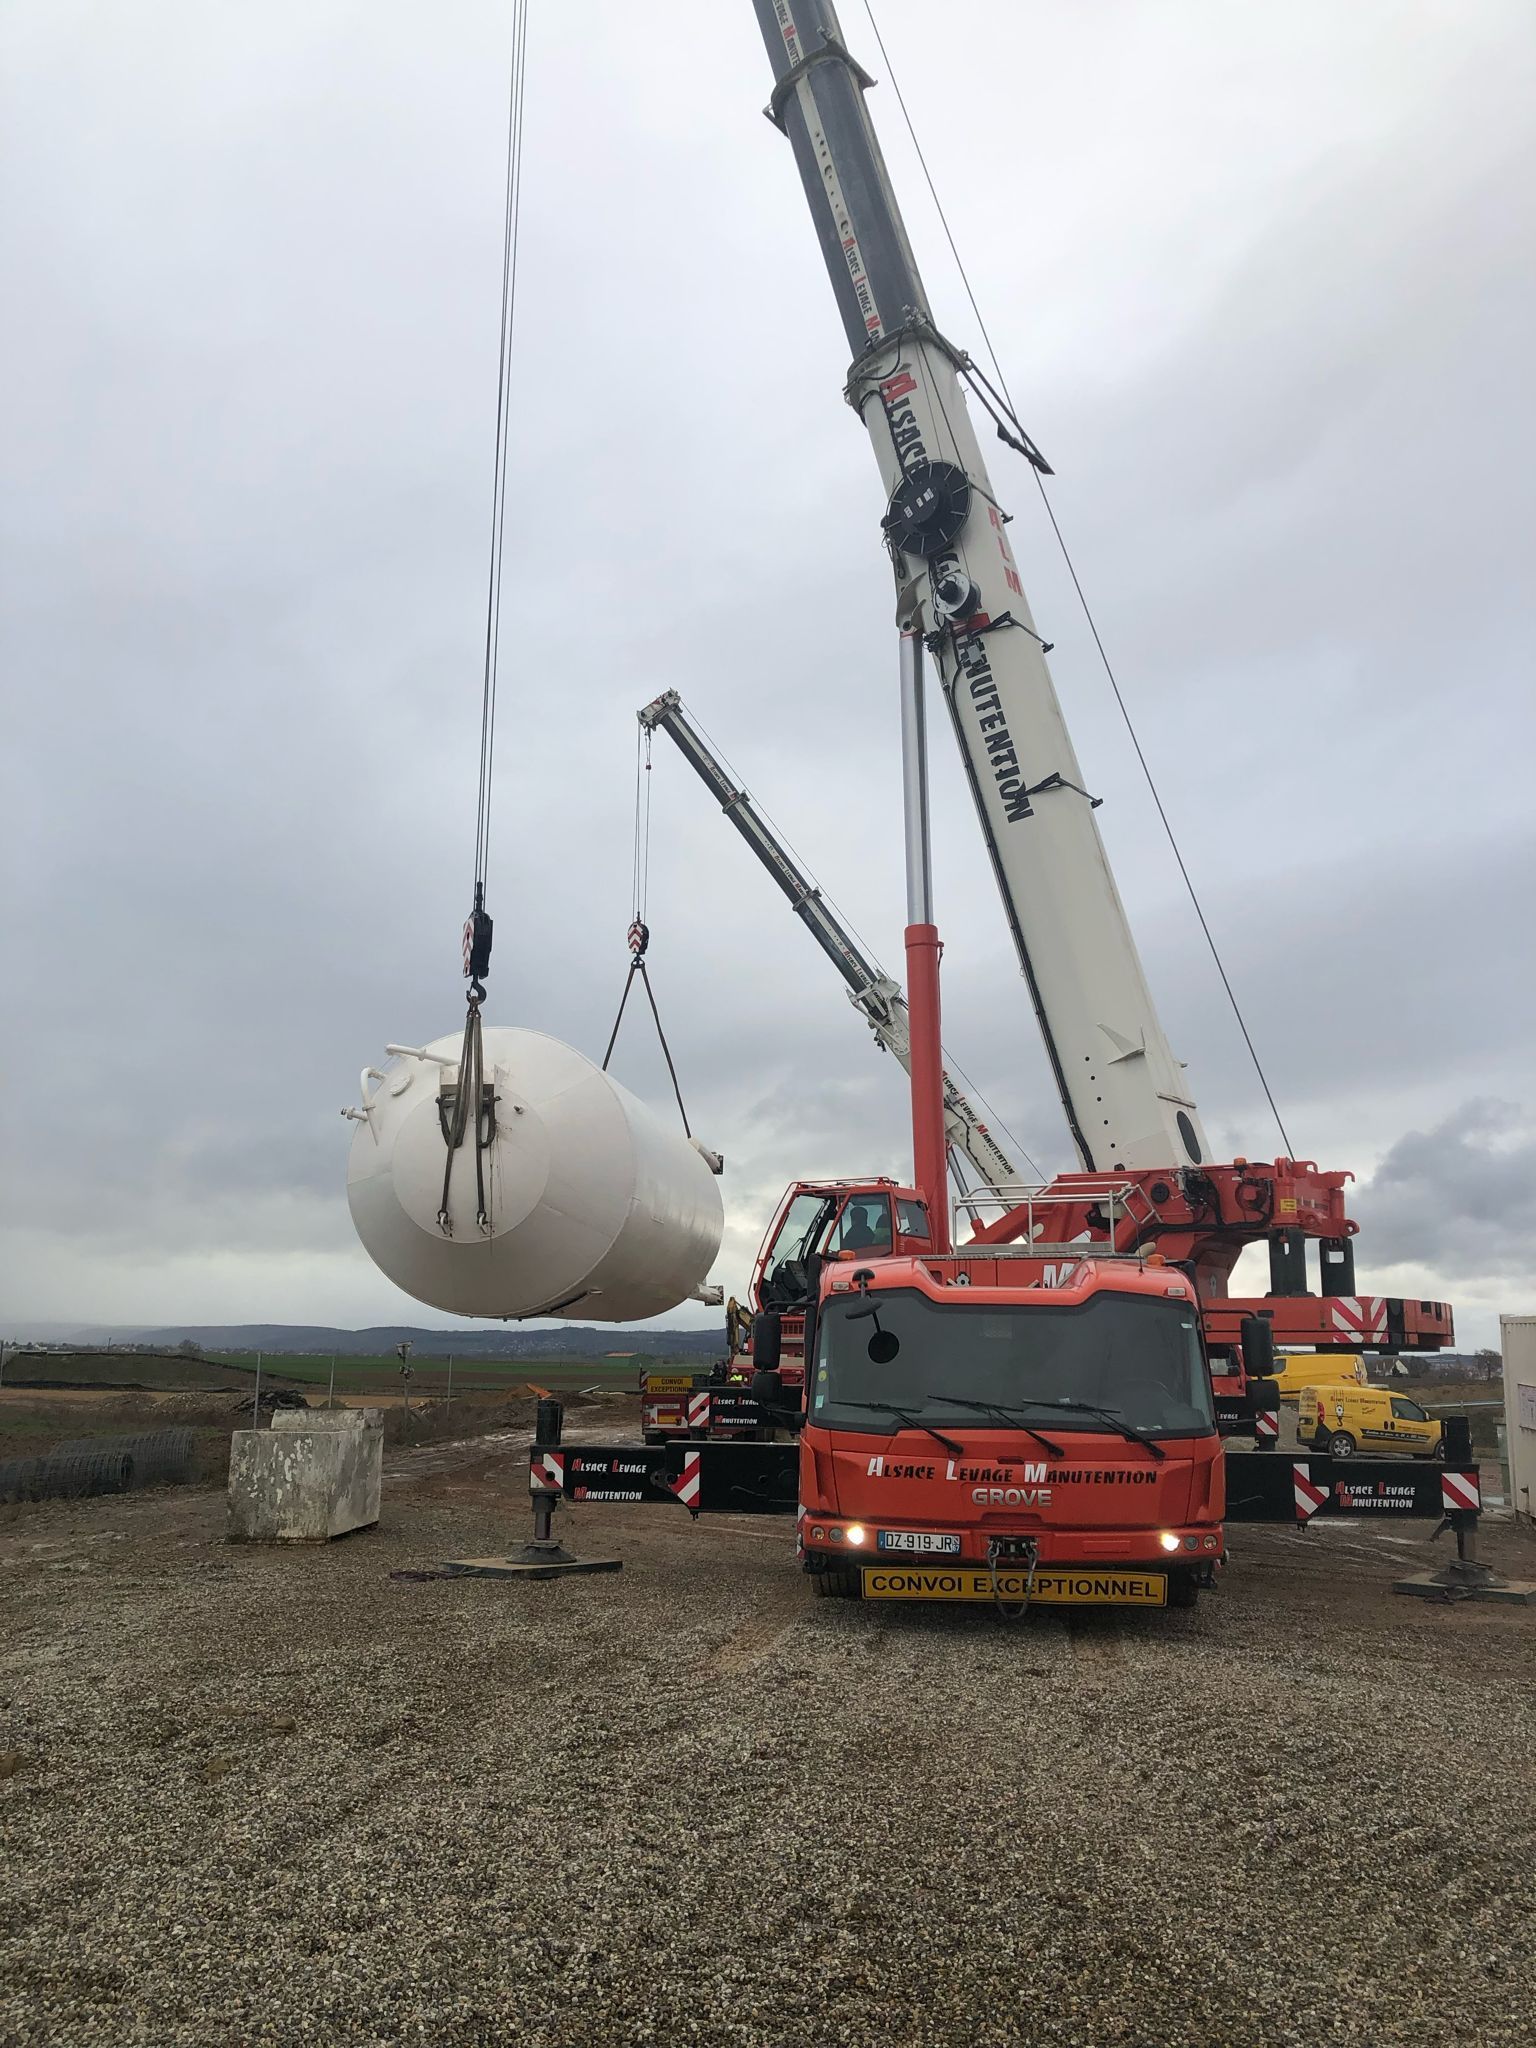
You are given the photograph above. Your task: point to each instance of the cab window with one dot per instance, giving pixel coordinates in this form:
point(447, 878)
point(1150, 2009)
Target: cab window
point(1407, 1411)
point(912, 1219)
point(864, 1226)
point(799, 1234)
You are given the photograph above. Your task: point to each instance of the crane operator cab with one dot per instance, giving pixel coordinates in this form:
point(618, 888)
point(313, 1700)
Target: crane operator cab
point(817, 1223)
point(864, 1225)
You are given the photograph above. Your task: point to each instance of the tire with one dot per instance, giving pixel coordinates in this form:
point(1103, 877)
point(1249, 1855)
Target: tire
point(1182, 1589)
point(1341, 1444)
point(1438, 1453)
point(839, 1582)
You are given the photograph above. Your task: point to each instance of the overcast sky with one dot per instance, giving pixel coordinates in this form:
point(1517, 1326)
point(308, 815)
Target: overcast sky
point(1260, 281)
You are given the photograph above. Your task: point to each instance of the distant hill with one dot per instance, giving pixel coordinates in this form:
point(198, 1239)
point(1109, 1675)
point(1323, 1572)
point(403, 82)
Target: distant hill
point(315, 1339)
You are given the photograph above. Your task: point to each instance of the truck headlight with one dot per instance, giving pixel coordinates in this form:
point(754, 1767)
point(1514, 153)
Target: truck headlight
point(855, 1533)
point(1168, 1540)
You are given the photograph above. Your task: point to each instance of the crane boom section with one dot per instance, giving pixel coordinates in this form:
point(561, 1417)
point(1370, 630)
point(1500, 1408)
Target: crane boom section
point(870, 989)
point(805, 899)
point(1123, 1091)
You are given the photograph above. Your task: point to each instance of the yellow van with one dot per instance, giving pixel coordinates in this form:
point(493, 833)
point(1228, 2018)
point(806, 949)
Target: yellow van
point(1344, 1420)
point(1297, 1370)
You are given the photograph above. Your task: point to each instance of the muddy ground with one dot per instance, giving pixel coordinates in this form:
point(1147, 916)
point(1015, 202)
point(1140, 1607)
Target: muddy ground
point(273, 1797)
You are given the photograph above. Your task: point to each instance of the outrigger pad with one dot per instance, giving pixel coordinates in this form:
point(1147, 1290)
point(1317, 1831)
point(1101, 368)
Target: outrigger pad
point(1452, 1584)
point(533, 1561)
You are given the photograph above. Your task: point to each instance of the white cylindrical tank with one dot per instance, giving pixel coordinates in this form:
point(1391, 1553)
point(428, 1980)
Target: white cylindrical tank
point(597, 1210)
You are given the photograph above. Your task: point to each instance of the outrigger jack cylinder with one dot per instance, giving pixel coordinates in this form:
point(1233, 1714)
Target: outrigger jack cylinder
point(1466, 1577)
point(544, 1557)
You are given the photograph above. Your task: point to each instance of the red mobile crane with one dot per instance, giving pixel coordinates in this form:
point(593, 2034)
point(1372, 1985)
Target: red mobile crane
point(1126, 1104)
point(1030, 1415)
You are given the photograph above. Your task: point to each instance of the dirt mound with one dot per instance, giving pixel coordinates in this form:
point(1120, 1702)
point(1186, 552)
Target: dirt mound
point(140, 1370)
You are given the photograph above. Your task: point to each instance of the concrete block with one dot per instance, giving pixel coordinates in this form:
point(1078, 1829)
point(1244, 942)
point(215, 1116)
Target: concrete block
point(313, 1476)
point(328, 1418)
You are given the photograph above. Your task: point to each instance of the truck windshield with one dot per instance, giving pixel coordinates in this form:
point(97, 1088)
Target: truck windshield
point(1135, 1355)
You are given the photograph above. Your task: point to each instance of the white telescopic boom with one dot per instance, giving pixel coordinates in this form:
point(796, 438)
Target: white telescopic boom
point(1122, 1089)
point(870, 989)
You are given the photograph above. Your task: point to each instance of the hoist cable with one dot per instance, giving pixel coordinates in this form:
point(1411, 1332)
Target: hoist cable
point(1221, 969)
point(471, 1100)
point(996, 1122)
point(637, 968)
point(666, 1050)
point(639, 931)
point(511, 221)
point(1093, 629)
point(642, 839)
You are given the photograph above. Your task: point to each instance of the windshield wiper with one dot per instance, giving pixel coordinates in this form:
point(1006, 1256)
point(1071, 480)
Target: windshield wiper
point(1010, 1418)
point(1113, 1417)
point(908, 1420)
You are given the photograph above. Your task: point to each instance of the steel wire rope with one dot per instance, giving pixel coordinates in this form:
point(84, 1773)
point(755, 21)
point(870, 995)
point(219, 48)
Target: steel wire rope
point(641, 882)
point(468, 1106)
point(511, 224)
point(639, 931)
point(1082, 599)
point(843, 918)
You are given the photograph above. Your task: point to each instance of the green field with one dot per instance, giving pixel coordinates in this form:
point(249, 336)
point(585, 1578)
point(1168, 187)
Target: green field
point(381, 1375)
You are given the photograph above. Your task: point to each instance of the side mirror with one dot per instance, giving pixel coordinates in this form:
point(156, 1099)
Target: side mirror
point(767, 1337)
point(1258, 1340)
point(768, 1388)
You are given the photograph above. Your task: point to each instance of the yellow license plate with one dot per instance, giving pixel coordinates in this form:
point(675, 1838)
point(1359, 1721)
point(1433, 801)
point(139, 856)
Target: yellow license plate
point(1052, 1588)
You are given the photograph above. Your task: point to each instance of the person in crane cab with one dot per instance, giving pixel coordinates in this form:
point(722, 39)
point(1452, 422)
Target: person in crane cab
point(866, 1227)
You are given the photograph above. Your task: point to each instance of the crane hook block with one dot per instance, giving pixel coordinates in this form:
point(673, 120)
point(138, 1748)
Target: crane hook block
point(928, 508)
point(477, 946)
point(639, 939)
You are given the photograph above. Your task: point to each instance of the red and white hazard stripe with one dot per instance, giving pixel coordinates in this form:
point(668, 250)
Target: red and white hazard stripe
point(1309, 1495)
point(546, 1471)
point(686, 1485)
point(1459, 1490)
point(800, 1531)
point(1360, 1317)
point(698, 1411)
point(1266, 1425)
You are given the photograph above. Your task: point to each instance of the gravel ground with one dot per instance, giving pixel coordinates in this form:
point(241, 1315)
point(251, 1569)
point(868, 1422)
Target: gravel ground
point(260, 1797)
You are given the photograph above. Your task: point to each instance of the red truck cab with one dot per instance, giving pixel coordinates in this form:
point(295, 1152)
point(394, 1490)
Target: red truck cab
point(1010, 1428)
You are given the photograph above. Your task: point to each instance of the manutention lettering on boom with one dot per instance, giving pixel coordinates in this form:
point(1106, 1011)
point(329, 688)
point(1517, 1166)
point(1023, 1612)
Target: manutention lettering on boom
point(970, 648)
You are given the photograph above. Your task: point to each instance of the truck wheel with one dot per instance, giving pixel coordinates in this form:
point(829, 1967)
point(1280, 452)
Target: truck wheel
point(1182, 1589)
point(1341, 1444)
point(839, 1582)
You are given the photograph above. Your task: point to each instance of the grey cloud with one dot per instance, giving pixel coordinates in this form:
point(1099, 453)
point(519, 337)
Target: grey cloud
point(1279, 365)
point(1460, 1196)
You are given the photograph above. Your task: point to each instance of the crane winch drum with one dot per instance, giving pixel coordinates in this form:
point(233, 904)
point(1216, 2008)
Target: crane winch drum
point(595, 1209)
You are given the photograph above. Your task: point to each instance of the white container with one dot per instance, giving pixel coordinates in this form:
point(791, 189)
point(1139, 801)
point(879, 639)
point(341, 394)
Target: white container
point(597, 1209)
point(1517, 1340)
